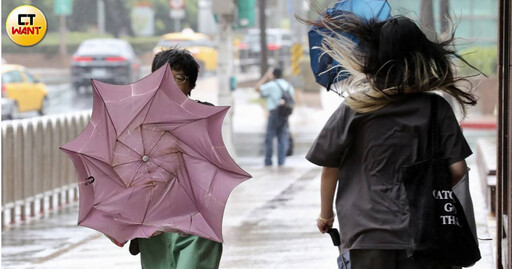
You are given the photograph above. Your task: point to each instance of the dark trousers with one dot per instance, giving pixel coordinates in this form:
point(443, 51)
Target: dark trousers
point(277, 126)
point(387, 259)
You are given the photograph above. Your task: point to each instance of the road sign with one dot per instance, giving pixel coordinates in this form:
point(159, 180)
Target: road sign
point(63, 7)
point(177, 4)
point(177, 13)
point(246, 13)
point(143, 20)
point(296, 55)
point(177, 9)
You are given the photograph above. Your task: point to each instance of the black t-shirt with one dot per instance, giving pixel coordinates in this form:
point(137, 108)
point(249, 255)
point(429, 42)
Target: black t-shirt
point(370, 149)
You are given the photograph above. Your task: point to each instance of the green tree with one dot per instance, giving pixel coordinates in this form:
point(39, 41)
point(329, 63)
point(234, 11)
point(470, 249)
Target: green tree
point(163, 24)
point(191, 11)
point(118, 22)
point(84, 16)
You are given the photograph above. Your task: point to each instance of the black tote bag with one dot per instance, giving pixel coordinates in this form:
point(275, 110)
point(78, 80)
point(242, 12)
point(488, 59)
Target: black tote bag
point(440, 231)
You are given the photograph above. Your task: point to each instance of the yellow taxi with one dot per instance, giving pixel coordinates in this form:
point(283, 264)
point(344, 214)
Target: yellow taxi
point(200, 45)
point(28, 93)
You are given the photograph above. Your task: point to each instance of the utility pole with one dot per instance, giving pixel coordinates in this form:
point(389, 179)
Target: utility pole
point(101, 16)
point(62, 29)
point(263, 37)
point(63, 8)
point(225, 11)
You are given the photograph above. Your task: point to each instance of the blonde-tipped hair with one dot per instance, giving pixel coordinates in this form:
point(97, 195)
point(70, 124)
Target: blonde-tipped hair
point(389, 60)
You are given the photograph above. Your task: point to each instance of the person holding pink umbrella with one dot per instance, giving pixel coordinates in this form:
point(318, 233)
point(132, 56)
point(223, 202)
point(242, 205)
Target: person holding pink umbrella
point(151, 160)
point(177, 250)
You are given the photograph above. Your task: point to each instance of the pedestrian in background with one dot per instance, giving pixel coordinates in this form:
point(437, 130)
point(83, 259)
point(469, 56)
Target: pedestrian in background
point(166, 250)
point(271, 86)
point(381, 126)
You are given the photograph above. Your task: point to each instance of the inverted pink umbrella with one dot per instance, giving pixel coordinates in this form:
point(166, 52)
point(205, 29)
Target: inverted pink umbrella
point(151, 159)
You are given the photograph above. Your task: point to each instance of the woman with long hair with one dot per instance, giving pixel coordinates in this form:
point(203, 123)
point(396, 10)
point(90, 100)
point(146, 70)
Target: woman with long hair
point(381, 126)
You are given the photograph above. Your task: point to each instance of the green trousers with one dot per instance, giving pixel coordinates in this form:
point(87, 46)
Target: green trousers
point(170, 250)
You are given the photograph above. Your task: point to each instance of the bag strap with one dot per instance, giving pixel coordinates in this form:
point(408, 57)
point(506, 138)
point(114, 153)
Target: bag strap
point(434, 136)
point(280, 87)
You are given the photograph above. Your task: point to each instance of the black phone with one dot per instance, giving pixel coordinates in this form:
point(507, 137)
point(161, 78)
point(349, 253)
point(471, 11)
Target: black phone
point(335, 236)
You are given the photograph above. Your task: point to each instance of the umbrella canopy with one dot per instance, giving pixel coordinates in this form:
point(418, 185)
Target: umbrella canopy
point(151, 159)
point(327, 71)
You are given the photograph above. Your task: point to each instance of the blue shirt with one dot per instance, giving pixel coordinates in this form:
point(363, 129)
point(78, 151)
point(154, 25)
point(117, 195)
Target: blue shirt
point(272, 92)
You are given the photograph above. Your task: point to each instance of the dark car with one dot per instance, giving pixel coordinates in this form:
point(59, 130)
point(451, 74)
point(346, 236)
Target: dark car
point(108, 60)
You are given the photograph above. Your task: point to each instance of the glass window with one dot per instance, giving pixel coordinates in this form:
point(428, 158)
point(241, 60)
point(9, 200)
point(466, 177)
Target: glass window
point(13, 76)
point(30, 78)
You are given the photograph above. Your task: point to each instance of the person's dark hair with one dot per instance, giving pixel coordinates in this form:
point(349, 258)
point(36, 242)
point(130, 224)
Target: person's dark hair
point(391, 59)
point(179, 60)
point(277, 73)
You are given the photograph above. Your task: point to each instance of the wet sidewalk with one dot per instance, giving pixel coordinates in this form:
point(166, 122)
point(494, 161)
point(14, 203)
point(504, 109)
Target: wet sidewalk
point(269, 220)
point(269, 223)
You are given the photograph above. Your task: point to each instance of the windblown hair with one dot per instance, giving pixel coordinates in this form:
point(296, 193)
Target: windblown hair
point(391, 59)
point(179, 60)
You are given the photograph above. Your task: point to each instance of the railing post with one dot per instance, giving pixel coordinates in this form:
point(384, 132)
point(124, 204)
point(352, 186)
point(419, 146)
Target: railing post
point(28, 164)
point(18, 167)
point(67, 136)
point(58, 169)
point(38, 166)
point(47, 162)
point(75, 122)
point(7, 169)
point(48, 152)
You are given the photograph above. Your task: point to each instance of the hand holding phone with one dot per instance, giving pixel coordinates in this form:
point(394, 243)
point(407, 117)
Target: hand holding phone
point(335, 236)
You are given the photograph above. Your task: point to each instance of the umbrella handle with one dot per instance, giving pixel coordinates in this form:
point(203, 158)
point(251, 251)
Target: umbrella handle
point(89, 180)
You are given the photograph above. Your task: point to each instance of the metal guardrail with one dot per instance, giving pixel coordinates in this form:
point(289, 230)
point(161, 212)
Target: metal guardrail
point(35, 172)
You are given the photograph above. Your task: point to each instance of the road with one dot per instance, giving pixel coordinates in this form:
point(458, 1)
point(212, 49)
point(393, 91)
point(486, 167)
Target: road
point(64, 99)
